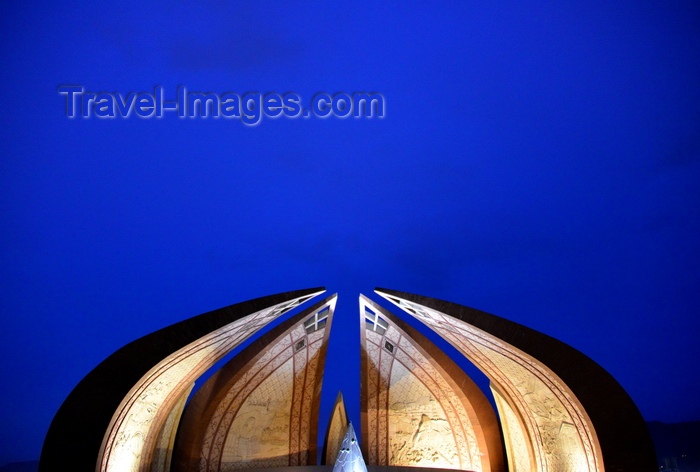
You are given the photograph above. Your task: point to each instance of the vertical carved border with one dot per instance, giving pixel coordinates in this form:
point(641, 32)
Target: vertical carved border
point(209, 417)
point(472, 420)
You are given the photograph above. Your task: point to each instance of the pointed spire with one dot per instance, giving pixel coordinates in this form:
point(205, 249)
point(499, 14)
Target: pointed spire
point(350, 456)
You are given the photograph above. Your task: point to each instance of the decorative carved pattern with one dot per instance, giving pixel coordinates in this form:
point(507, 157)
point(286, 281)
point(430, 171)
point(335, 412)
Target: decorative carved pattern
point(414, 416)
point(560, 431)
point(372, 402)
point(166, 438)
point(258, 433)
point(457, 417)
point(264, 418)
point(131, 437)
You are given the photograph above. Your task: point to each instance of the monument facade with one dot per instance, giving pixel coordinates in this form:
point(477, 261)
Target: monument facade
point(556, 410)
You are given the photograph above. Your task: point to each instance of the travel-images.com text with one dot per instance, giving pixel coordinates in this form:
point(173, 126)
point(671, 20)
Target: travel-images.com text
point(250, 107)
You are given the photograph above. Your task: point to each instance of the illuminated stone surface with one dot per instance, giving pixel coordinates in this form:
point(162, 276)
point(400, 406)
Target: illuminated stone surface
point(564, 438)
point(112, 418)
point(260, 410)
point(126, 446)
point(561, 421)
point(414, 411)
point(520, 455)
point(559, 411)
point(166, 438)
point(337, 428)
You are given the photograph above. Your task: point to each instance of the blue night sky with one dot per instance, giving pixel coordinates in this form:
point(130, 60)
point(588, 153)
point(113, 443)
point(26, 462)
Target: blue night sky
point(538, 160)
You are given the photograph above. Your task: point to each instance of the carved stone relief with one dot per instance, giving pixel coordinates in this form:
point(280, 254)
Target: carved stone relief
point(264, 418)
point(414, 416)
point(559, 429)
point(131, 438)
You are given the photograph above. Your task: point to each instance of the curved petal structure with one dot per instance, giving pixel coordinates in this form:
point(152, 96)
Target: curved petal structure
point(419, 409)
point(260, 410)
point(337, 428)
point(560, 411)
point(118, 415)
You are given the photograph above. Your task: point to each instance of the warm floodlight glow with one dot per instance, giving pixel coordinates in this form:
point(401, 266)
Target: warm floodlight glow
point(257, 411)
point(133, 433)
point(416, 413)
point(534, 401)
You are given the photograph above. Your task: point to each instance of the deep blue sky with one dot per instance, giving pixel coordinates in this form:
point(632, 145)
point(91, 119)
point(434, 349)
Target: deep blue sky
point(538, 160)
